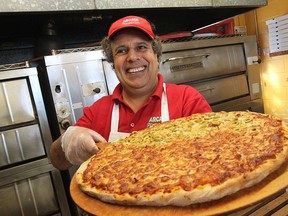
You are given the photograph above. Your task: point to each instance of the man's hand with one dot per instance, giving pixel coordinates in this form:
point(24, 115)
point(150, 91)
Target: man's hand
point(79, 143)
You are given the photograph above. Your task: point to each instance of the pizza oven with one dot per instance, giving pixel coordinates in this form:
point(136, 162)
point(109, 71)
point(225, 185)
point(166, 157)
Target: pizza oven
point(224, 69)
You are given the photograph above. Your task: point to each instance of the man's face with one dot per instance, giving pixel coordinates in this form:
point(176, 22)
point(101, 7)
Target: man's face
point(135, 62)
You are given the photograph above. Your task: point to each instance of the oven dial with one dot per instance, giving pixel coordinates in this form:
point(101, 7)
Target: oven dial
point(65, 124)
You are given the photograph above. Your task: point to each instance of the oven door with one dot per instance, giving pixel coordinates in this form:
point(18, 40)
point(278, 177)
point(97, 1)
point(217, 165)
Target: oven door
point(200, 64)
point(221, 90)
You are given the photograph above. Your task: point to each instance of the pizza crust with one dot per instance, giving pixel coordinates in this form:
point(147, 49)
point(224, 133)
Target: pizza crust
point(180, 197)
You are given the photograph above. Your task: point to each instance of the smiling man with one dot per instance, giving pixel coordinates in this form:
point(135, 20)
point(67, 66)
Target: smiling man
point(140, 100)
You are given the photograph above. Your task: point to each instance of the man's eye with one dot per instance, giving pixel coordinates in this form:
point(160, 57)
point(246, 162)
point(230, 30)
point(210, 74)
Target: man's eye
point(142, 47)
point(120, 51)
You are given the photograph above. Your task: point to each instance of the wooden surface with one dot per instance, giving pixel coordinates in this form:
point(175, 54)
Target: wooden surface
point(270, 187)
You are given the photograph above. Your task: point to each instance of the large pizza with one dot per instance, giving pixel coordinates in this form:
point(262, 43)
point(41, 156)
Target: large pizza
point(189, 160)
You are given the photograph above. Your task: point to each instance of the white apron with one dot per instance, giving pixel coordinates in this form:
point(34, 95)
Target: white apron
point(114, 134)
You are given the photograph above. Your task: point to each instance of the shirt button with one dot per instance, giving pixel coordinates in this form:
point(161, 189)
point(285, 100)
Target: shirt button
point(132, 125)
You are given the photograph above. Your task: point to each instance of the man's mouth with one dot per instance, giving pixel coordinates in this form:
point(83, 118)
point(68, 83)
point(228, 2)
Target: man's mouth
point(135, 70)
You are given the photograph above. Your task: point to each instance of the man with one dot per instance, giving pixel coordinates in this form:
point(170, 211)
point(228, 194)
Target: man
point(139, 101)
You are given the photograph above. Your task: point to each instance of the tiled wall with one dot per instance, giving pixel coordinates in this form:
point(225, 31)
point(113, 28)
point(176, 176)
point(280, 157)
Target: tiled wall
point(274, 70)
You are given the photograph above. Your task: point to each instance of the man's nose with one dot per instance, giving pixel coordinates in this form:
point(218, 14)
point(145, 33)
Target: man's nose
point(133, 55)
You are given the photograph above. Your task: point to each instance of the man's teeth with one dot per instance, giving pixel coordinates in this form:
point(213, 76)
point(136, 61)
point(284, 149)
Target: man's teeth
point(134, 70)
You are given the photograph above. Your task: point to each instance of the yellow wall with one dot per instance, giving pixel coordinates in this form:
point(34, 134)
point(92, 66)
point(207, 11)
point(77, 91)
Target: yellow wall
point(273, 70)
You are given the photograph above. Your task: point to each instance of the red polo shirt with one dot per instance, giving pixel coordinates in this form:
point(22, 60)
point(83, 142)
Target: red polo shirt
point(183, 100)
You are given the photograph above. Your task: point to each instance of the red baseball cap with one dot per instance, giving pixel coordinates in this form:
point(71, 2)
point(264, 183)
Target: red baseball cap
point(131, 22)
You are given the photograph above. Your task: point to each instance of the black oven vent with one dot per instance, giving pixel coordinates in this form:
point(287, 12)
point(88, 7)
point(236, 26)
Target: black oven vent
point(195, 38)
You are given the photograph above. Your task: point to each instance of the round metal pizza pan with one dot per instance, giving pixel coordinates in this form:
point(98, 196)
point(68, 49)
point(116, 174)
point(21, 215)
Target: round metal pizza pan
point(273, 184)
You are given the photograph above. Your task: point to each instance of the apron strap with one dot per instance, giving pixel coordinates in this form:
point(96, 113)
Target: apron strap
point(164, 106)
point(115, 118)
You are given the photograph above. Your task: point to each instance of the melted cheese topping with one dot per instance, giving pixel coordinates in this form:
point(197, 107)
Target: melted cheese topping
point(186, 153)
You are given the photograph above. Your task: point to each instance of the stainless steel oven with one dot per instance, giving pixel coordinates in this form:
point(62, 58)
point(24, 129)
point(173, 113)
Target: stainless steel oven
point(225, 70)
point(70, 80)
point(29, 184)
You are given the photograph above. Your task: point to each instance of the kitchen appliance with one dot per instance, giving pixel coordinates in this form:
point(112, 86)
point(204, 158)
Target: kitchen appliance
point(224, 69)
point(70, 80)
point(29, 184)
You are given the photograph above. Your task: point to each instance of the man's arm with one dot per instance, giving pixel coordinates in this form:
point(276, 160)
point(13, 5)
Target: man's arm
point(57, 156)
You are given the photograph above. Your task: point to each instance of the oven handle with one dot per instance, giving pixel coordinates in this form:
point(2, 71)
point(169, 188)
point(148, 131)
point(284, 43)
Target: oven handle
point(208, 88)
point(185, 57)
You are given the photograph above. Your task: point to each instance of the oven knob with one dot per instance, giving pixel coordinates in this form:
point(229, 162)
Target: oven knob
point(57, 88)
point(97, 90)
point(65, 124)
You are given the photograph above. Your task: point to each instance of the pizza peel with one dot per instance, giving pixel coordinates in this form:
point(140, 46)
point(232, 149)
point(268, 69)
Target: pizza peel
point(273, 184)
